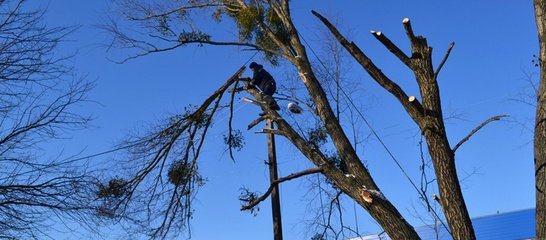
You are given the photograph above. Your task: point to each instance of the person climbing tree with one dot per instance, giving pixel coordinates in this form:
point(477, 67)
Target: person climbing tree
point(265, 82)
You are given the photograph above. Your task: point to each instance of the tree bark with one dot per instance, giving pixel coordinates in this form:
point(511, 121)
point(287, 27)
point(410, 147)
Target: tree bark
point(540, 124)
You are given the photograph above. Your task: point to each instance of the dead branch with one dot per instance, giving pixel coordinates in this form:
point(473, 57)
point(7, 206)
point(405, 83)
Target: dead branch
point(451, 45)
point(172, 11)
point(292, 176)
point(272, 131)
point(255, 122)
point(495, 118)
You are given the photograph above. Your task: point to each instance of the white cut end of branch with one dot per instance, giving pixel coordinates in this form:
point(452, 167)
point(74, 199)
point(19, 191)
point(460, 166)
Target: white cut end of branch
point(366, 196)
point(406, 20)
point(248, 100)
point(378, 33)
point(412, 98)
point(372, 32)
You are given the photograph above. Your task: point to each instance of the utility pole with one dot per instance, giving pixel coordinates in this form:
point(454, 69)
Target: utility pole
point(275, 200)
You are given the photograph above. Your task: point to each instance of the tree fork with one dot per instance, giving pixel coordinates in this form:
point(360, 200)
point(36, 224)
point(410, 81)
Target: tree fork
point(427, 115)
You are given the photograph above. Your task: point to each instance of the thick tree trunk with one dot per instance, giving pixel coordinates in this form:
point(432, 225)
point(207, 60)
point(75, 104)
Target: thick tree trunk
point(451, 196)
point(540, 124)
point(443, 157)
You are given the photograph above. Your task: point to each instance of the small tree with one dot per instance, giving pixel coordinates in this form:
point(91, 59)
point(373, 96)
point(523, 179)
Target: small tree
point(36, 106)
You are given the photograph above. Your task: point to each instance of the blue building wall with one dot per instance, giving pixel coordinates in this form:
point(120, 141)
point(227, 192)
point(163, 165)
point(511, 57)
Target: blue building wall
point(517, 225)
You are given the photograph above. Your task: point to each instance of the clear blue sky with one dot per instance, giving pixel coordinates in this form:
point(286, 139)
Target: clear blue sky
point(494, 45)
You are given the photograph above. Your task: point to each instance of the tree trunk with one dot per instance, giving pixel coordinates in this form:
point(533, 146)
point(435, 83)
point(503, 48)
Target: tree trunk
point(540, 124)
point(433, 128)
point(380, 209)
point(428, 117)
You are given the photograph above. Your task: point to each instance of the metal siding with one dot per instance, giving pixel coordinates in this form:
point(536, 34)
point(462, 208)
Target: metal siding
point(517, 225)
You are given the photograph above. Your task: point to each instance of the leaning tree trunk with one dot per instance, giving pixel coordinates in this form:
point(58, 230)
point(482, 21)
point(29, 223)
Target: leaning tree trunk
point(540, 124)
point(358, 184)
point(361, 184)
point(427, 115)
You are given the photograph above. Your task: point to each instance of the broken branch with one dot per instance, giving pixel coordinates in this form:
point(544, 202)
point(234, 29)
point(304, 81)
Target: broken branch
point(271, 131)
point(255, 122)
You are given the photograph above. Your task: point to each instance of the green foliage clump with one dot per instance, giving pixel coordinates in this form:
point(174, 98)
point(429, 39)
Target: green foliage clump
point(318, 136)
point(193, 36)
point(247, 20)
point(180, 173)
point(236, 140)
point(116, 188)
point(248, 197)
point(190, 115)
point(184, 174)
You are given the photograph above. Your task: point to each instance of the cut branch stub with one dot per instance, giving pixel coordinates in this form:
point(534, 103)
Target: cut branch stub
point(409, 32)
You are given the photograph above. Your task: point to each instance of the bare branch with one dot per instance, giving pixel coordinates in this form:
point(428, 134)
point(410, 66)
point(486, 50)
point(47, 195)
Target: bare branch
point(272, 131)
point(172, 11)
point(451, 45)
point(38, 93)
point(255, 122)
point(150, 49)
point(292, 176)
point(495, 118)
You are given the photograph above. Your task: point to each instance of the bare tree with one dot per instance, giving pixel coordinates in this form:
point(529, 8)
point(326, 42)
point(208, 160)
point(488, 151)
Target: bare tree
point(267, 27)
point(540, 124)
point(37, 105)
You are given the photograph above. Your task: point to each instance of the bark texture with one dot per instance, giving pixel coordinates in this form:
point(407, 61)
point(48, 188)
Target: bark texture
point(540, 124)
